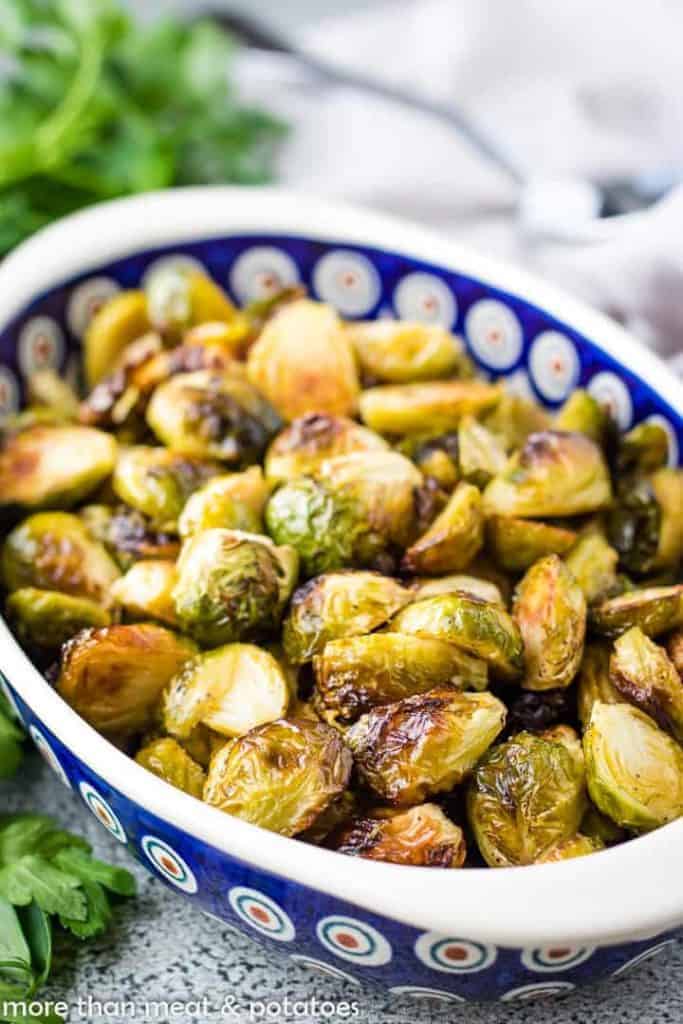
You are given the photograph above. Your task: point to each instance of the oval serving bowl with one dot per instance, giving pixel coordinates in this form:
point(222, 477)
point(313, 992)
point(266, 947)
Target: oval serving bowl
point(508, 934)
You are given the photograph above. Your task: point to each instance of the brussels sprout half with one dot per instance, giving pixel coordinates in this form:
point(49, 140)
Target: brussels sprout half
point(114, 677)
point(594, 682)
point(425, 744)
point(667, 487)
point(634, 769)
point(457, 584)
point(45, 619)
point(167, 759)
point(356, 674)
point(550, 612)
point(229, 690)
point(178, 297)
point(158, 482)
point(422, 836)
point(335, 605)
point(592, 562)
point(517, 543)
point(643, 673)
point(513, 419)
point(526, 796)
point(127, 535)
point(576, 846)
point(303, 362)
point(54, 551)
point(478, 627)
point(281, 776)
point(481, 455)
point(54, 466)
point(655, 609)
point(405, 351)
point(453, 539)
point(583, 414)
point(554, 474)
point(408, 408)
point(118, 323)
point(234, 502)
point(302, 447)
point(146, 591)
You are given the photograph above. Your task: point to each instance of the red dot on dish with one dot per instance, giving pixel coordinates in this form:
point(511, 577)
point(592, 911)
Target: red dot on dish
point(347, 940)
point(456, 953)
point(169, 864)
point(349, 279)
point(494, 335)
point(557, 954)
point(259, 914)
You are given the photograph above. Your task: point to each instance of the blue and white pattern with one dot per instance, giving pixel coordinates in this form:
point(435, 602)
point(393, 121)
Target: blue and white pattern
point(48, 755)
point(180, 261)
point(169, 864)
point(354, 940)
point(533, 353)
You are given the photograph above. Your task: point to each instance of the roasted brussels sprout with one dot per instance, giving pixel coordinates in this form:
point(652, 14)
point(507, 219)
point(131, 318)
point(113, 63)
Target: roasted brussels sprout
point(404, 351)
point(336, 605)
point(212, 415)
point(118, 323)
point(158, 482)
point(167, 759)
point(127, 535)
point(231, 585)
point(675, 650)
point(594, 683)
point(425, 744)
point(457, 584)
point(335, 814)
point(526, 796)
point(481, 455)
point(146, 591)
point(478, 627)
point(576, 846)
point(667, 487)
point(643, 449)
point(435, 457)
point(569, 739)
point(359, 673)
point(178, 296)
point(114, 677)
point(592, 561)
point(554, 474)
point(234, 502)
point(453, 539)
point(517, 543)
point(634, 769)
point(599, 827)
point(422, 836)
point(302, 447)
point(54, 466)
point(514, 418)
point(230, 690)
point(50, 393)
point(281, 776)
point(643, 673)
point(550, 612)
point(583, 414)
point(407, 408)
point(655, 609)
point(633, 525)
point(54, 551)
point(303, 362)
point(45, 619)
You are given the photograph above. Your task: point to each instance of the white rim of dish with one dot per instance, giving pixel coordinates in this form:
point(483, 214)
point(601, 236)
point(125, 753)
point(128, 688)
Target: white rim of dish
point(629, 892)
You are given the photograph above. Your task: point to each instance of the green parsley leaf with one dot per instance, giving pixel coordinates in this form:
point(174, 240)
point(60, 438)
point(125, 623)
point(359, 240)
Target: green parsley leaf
point(33, 878)
point(80, 864)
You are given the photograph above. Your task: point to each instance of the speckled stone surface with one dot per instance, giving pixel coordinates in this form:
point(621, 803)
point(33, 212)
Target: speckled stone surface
point(161, 950)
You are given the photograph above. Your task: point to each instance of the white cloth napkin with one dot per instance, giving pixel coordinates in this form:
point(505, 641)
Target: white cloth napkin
point(584, 89)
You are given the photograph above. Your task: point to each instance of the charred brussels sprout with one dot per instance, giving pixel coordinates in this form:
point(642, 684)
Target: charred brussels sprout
point(229, 690)
point(634, 769)
point(146, 591)
point(336, 605)
point(550, 611)
point(359, 673)
point(457, 584)
point(514, 418)
point(435, 456)
point(667, 487)
point(45, 619)
point(554, 474)
point(114, 677)
point(303, 362)
point(643, 449)
point(583, 414)
point(306, 443)
point(478, 627)
point(481, 455)
point(118, 323)
point(592, 562)
point(453, 539)
point(158, 482)
point(407, 408)
point(655, 609)
point(167, 759)
point(594, 682)
point(402, 351)
point(54, 466)
point(643, 673)
point(212, 415)
point(127, 535)
point(234, 502)
point(425, 744)
point(281, 776)
point(633, 525)
point(54, 551)
point(526, 796)
point(422, 836)
point(576, 846)
point(231, 585)
point(517, 543)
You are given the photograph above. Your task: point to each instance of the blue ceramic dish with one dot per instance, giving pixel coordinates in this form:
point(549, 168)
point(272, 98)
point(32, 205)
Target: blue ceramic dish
point(511, 934)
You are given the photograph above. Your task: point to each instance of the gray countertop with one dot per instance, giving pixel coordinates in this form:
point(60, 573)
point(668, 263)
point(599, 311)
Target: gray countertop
point(162, 949)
